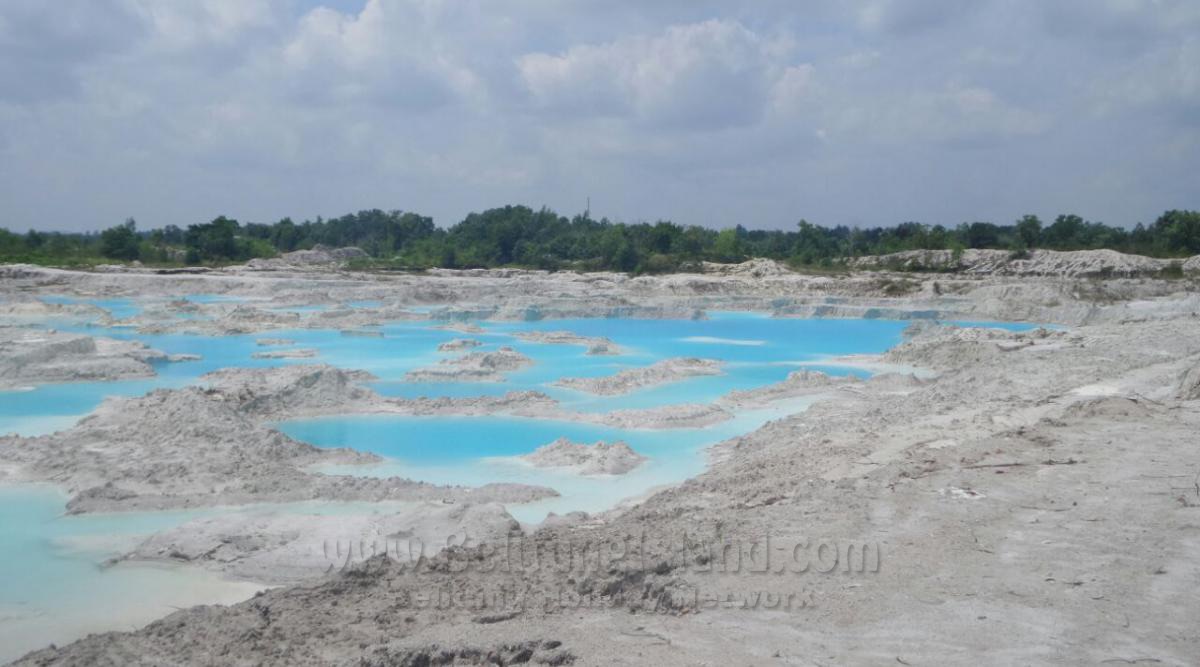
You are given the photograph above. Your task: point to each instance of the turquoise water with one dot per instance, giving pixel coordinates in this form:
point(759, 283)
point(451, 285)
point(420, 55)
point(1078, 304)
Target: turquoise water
point(479, 450)
point(214, 298)
point(51, 580)
point(53, 588)
point(778, 345)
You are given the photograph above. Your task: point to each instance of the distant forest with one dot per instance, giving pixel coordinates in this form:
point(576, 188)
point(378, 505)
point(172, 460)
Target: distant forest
point(519, 236)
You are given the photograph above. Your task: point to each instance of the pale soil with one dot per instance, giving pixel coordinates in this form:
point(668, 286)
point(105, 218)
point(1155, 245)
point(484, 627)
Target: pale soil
point(600, 458)
point(1034, 498)
point(298, 353)
point(279, 548)
point(1102, 263)
point(629, 380)
point(472, 367)
point(31, 356)
point(596, 345)
point(198, 447)
point(458, 345)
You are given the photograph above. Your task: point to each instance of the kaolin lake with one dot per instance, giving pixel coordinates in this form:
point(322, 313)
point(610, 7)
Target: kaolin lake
point(53, 564)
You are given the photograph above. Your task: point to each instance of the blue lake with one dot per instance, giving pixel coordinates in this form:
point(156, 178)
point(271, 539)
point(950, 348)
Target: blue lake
point(50, 580)
point(759, 350)
point(53, 588)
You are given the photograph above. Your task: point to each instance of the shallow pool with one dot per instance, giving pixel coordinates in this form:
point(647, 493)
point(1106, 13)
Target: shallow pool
point(52, 585)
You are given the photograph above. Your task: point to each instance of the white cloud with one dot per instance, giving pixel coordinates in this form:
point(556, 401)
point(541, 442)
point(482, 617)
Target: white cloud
point(705, 112)
point(911, 16)
point(183, 25)
point(793, 92)
point(954, 115)
point(44, 46)
point(706, 75)
point(389, 53)
point(1167, 79)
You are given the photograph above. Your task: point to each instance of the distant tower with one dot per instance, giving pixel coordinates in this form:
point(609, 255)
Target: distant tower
point(587, 212)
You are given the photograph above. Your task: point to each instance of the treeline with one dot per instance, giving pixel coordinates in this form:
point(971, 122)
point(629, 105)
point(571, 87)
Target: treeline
point(521, 236)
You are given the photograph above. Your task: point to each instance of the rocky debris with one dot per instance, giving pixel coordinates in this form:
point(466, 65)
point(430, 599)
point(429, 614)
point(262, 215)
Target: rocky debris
point(1032, 263)
point(244, 313)
point(661, 372)
point(461, 327)
point(221, 319)
point(277, 548)
point(798, 383)
point(604, 347)
point(522, 403)
point(472, 367)
point(117, 268)
point(29, 356)
point(536, 652)
point(29, 309)
point(754, 268)
point(458, 345)
point(362, 333)
point(291, 392)
point(595, 345)
point(1032, 301)
point(225, 319)
point(553, 520)
point(298, 353)
point(514, 294)
point(956, 347)
point(294, 392)
point(601, 458)
point(183, 306)
point(866, 311)
point(1000, 505)
point(680, 415)
point(1108, 407)
point(920, 327)
point(896, 382)
point(268, 342)
point(22, 272)
point(319, 257)
point(536, 405)
point(519, 308)
point(1189, 384)
point(197, 447)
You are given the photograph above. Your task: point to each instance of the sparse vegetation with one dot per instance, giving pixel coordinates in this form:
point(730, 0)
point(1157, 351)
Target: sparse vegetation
point(520, 236)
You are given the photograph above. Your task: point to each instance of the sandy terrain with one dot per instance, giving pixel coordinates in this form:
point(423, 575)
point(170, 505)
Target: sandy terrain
point(1031, 498)
point(660, 372)
point(458, 345)
point(595, 345)
point(472, 367)
point(601, 458)
point(29, 356)
point(207, 446)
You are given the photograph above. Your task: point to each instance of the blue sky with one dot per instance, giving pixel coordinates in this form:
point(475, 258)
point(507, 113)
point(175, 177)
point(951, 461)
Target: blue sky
point(715, 113)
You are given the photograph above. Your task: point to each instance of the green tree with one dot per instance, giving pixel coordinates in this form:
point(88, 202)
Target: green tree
point(1029, 231)
point(626, 257)
point(121, 242)
point(727, 247)
point(1066, 233)
point(1179, 231)
point(212, 242)
point(813, 244)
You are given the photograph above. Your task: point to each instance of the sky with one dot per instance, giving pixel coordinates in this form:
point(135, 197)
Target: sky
point(857, 112)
